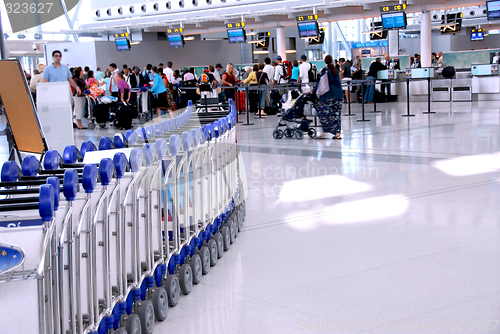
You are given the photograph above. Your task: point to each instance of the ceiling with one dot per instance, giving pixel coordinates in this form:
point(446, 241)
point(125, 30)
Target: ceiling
point(258, 14)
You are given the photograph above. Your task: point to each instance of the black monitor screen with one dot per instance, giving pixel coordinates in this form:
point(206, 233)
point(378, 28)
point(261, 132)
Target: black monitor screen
point(236, 35)
point(175, 40)
point(122, 44)
point(308, 29)
point(493, 10)
point(394, 20)
point(477, 36)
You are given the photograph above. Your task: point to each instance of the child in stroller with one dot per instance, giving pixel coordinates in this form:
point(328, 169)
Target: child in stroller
point(297, 119)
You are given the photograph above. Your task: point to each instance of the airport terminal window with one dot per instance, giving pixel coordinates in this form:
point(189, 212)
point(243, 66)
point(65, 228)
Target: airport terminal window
point(156, 7)
point(131, 9)
point(169, 5)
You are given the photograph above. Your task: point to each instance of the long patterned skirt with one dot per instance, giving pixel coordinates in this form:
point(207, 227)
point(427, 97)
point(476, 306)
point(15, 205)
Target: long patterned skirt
point(330, 112)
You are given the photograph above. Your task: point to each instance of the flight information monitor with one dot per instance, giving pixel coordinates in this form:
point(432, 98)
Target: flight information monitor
point(175, 40)
point(236, 35)
point(394, 20)
point(493, 10)
point(308, 29)
point(122, 44)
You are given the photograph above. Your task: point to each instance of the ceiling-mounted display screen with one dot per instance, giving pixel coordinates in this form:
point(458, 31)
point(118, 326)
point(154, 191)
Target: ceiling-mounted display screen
point(308, 29)
point(175, 40)
point(318, 40)
point(493, 10)
point(122, 44)
point(477, 35)
point(394, 20)
point(236, 36)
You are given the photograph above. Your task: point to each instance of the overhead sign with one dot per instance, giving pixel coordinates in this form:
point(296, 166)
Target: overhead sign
point(235, 25)
point(313, 17)
point(393, 8)
point(122, 35)
point(175, 31)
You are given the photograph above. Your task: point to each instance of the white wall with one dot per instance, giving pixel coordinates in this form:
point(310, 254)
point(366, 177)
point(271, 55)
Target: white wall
point(195, 53)
point(77, 54)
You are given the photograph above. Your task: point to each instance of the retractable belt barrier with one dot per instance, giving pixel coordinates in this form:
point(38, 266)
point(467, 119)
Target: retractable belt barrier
point(104, 238)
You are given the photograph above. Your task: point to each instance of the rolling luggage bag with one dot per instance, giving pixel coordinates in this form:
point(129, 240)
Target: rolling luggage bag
point(241, 101)
point(124, 115)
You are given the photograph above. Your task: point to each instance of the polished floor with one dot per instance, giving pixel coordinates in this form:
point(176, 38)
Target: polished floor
point(393, 229)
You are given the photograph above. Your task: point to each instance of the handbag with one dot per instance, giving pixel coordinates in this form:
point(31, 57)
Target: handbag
point(95, 91)
point(324, 85)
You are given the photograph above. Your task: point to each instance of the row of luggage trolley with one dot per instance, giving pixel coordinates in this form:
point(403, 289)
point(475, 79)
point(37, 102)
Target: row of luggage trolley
point(107, 247)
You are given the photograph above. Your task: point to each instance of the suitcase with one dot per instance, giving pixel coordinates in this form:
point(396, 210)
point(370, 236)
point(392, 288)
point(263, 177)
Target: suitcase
point(241, 103)
point(271, 110)
point(101, 112)
point(124, 115)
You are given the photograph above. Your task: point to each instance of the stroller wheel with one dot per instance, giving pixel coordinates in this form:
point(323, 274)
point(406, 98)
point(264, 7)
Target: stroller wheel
point(277, 134)
point(299, 134)
point(311, 132)
point(288, 133)
point(102, 125)
point(91, 125)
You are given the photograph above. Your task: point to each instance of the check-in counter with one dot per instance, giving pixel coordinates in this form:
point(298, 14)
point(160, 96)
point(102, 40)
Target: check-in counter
point(441, 90)
point(461, 90)
point(485, 82)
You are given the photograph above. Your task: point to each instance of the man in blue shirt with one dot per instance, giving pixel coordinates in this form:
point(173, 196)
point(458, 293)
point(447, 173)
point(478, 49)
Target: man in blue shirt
point(58, 72)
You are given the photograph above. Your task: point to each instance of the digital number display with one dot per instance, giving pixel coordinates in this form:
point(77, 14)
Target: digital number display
point(235, 25)
point(393, 8)
point(175, 31)
point(312, 17)
point(477, 35)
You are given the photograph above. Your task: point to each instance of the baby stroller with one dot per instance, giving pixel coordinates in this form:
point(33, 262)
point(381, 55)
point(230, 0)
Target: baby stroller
point(295, 120)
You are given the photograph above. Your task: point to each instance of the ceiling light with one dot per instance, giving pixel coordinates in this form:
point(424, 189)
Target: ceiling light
point(291, 51)
point(260, 52)
point(134, 43)
point(251, 33)
point(189, 38)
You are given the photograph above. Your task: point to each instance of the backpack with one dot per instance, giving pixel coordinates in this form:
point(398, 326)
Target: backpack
point(204, 78)
point(287, 70)
point(145, 75)
point(313, 73)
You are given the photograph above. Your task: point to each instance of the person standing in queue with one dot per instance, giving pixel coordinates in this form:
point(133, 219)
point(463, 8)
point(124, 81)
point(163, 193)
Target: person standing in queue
point(329, 105)
point(229, 80)
point(161, 92)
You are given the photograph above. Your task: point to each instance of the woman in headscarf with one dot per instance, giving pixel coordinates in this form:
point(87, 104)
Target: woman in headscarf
point(329, 106)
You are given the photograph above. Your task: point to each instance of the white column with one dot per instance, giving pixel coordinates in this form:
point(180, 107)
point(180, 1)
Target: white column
point(425, 39)
point(335, 44)
point(281, 42)
point(362, 23)
point(393, 39)
point(357, 33)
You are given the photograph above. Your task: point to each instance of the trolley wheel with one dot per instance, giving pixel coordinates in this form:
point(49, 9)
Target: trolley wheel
point(142, 119)
point(311, 132)
point(226, 237)
point(171, 284)
point(121, 330)
point(196, 268)
point(102, 125)
point(133, 325)
point(147, 316)
point(205, 260)
point(186, 279)
point(232, 233)
point(160, 303)
point(212, 247)
point(91, 126)
point(277, 134)
point(220, 244)
point(288, 133)
point(299, 134)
